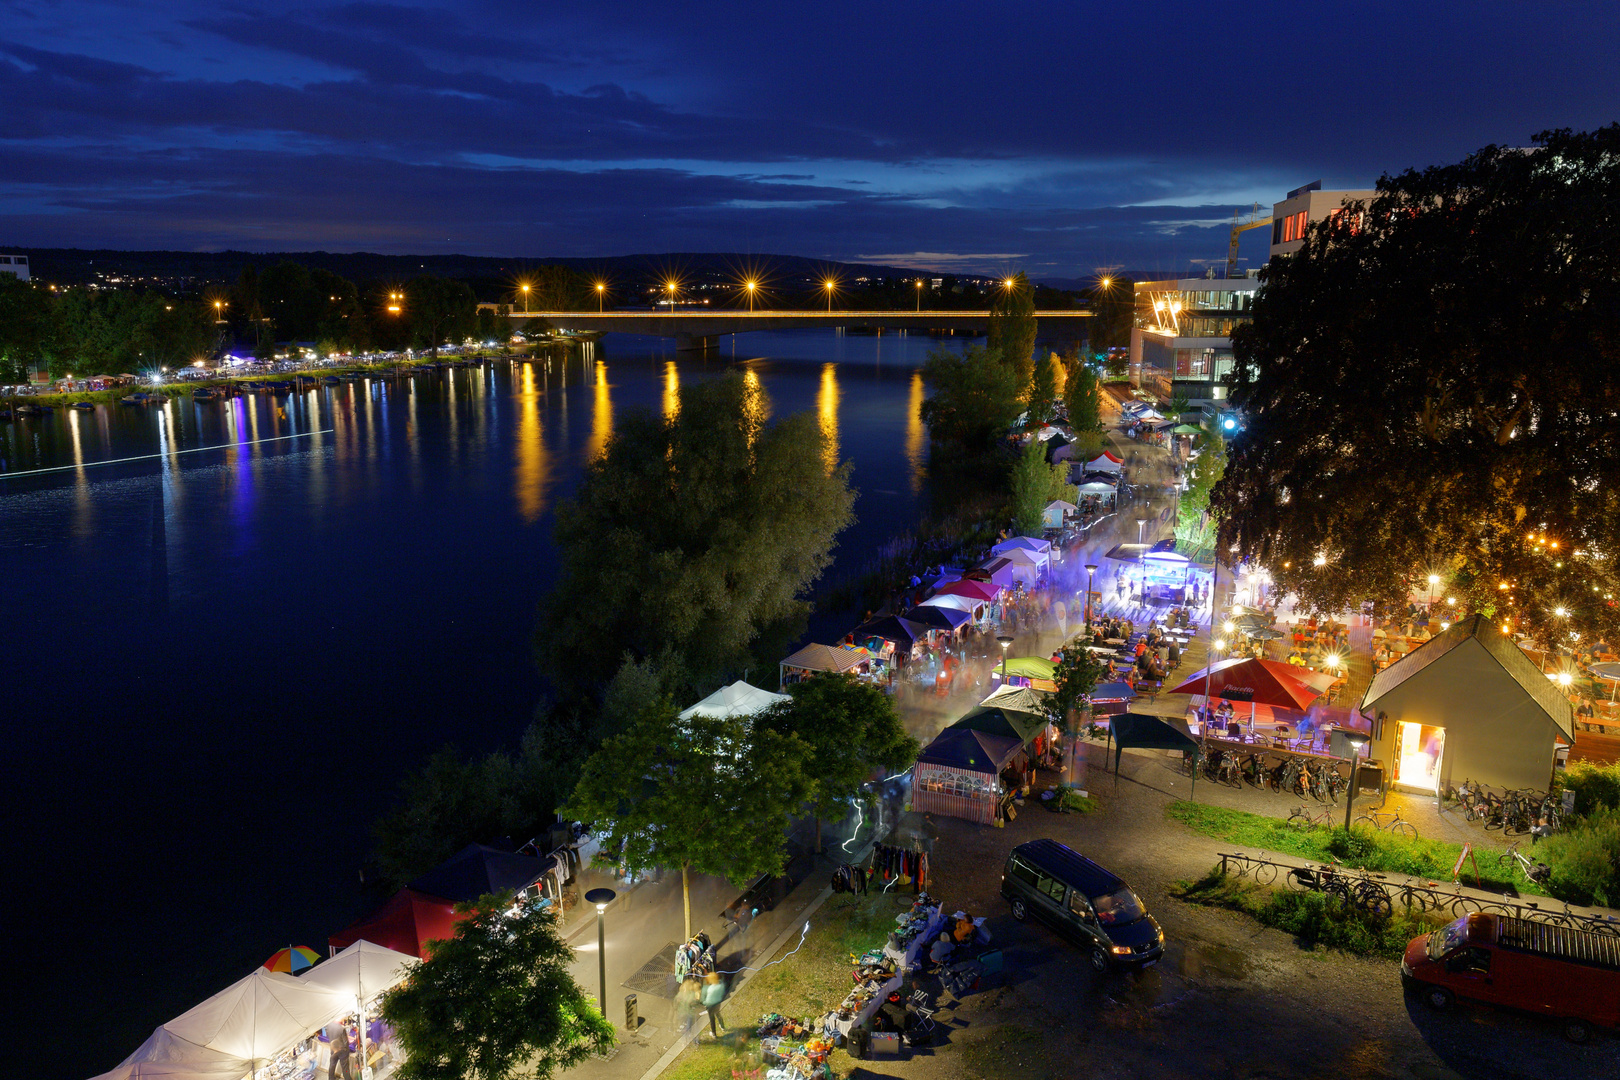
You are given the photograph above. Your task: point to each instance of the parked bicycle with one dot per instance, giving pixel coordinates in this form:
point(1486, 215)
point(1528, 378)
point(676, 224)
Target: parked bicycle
point(1302, 818)
point(1388, 821)
point(1533, 871)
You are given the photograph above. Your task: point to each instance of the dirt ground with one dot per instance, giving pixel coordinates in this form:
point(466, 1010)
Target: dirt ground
point(1230, 999)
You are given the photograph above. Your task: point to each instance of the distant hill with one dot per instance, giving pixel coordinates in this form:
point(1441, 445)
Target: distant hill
point(74, 266)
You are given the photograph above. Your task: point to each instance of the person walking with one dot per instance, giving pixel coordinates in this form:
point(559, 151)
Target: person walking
point(713, 993)
point(338, 1036)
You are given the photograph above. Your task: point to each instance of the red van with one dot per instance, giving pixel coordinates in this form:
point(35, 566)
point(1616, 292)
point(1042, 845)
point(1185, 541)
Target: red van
point(1572, 976)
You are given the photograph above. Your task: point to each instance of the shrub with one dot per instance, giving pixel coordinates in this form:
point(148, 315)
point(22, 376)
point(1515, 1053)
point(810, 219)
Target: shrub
point(1596, 787)
point(1585, 859)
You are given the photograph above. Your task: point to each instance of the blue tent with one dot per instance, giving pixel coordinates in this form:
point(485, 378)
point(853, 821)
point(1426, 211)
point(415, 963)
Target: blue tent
point(477, 870)
point(937, 618)
point(976, 751)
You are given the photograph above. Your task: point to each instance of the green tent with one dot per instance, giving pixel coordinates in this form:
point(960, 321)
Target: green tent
point(1031, 667)
point(1151, 733)
point(1186, 429)
point(1022, 726)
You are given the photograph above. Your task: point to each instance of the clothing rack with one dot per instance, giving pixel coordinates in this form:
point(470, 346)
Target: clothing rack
point(888, 863)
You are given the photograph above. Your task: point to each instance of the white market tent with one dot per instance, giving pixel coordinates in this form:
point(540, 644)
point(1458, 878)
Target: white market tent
point(362, 971)
point(1052, 514)
point(1096, 487)
point(1105, 463)
point(951, 600)
point(1027, 543)
point(238, 1030)
point(738, 699)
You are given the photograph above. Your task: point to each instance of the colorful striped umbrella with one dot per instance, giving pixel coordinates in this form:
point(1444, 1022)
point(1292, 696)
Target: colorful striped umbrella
point(293, 959)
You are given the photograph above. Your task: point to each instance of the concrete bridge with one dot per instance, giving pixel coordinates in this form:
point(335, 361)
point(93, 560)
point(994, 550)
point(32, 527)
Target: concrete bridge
point(700, 329)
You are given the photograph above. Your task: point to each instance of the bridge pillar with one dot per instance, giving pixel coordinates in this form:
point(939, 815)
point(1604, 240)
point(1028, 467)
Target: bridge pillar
point(696, 342)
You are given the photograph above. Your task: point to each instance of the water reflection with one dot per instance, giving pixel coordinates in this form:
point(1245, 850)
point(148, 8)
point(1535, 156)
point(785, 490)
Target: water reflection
point(672, 389)
point(533, 472)
point(601, 415)
point(916, 444)
point(827, 399)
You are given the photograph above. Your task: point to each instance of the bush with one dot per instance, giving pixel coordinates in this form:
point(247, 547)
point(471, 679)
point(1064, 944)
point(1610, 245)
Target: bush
point(1585, 859)
point(1596, 787)
point(1312, 917)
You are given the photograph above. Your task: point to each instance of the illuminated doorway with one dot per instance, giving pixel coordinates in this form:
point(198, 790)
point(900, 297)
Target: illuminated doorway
point(1421, 748)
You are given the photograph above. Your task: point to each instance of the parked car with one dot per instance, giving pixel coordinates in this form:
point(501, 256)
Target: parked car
point(1570, 975)
point(1080, 899)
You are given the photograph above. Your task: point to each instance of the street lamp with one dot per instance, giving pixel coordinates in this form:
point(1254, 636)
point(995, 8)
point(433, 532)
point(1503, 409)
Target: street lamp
point(750, 285)
point(525, 299)
point(1005, 641)
point(601, 898)
point(601, 293)
point(1434, 579)
point(1356, 740)
point(829, 285)
point(672, 286)
point(1091, 568)
point(394, 298)
point(919, 296)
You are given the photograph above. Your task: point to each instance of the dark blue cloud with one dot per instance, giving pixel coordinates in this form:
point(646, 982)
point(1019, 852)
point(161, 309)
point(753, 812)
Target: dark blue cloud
point(1059, 138)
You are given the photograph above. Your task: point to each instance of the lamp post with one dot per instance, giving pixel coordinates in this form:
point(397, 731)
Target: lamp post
point(671, 286)
point(919, 296)
point(601, 898)
point(750, 285)
point(829, 285)
point(1005, 641)
point(1091, 568)
point(525, 299)
point(601, 297)
point(1357, 740)
point(1434, 579)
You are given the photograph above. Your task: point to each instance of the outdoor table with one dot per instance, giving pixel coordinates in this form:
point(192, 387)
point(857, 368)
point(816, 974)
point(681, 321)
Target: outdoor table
point(1114, 641)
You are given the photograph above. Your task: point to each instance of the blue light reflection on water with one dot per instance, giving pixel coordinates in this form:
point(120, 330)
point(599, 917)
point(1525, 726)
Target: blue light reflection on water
point(222, 663)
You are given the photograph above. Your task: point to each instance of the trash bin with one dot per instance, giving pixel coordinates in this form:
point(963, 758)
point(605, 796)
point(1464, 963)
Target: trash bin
point(632, 1015)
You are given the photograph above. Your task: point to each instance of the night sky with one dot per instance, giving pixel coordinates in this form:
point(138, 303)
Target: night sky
point(1058, 138)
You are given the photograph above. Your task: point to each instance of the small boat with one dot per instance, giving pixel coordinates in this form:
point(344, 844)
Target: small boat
point(205, 393)
point(33, 410)
point(82, 406)
point(331, 380)
point(351, 376)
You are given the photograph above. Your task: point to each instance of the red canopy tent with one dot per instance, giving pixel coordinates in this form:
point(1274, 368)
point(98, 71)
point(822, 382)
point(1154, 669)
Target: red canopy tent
point(406, 923)
point(1259, 682)
point(981, 591)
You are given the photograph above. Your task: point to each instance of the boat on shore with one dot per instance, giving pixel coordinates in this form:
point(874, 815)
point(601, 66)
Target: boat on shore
point(82, 406)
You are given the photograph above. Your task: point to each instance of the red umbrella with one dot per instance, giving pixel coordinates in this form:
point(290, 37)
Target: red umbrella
point(1263, 682)
point(975, 590)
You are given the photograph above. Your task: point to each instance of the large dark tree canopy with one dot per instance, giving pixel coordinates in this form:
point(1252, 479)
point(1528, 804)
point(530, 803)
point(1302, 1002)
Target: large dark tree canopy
point(1431, 385)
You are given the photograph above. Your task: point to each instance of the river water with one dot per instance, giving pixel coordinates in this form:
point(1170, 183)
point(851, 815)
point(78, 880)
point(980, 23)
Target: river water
point(221, 657)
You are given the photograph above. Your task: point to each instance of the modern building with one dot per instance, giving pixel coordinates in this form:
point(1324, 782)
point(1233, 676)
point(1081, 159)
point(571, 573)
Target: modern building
point(1304, 207)
point(1182, 337)
point(15, 265)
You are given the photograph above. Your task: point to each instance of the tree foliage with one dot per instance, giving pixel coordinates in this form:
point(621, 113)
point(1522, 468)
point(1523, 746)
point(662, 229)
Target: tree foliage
point(1042, 400)
point(26, 328)
point(1012, 328)
point(1031, 487)
point(495, 1002)
point(1082, 397)
point(691, 541)
point(1113, 310)
point(1196, 522)
point(1078, 671)
point(440, 311)
point(974, 400)
point(850, 728)
point(708, 793)
point(1429, 385)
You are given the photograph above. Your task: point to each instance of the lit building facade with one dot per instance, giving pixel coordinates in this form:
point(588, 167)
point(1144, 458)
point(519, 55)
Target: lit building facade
point(15, 265)
point(1304, 207)
point(1181, 340)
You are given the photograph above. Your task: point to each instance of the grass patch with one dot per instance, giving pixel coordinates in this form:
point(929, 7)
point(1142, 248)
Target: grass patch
point(810, 983)
point(1362, 847)
point(1312, 917)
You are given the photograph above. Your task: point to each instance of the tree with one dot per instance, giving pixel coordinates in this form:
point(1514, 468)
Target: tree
point(1178, 405)
point(1031, 486)
point(1113, 309)
point(709, 793)
point(1043, 391)
point(1082, 397)
point(1076, 676)
point(1196, 520)
point(557, 288)
point(690, 540)
point(1428, 385)
point(974, 399)
point(495, 1002)
point(27, 328)
point(850, 728)
point(440, 310)
point(1012, 328)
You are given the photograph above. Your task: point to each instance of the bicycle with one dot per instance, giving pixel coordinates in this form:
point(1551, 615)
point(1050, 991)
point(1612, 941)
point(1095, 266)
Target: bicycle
point(1397, 824)
point(1534, 871)
point(1263, 872)
point(1301, 819)
point(1326, 879)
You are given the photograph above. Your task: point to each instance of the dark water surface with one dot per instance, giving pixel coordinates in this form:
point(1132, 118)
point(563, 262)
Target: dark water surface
point(219, 664)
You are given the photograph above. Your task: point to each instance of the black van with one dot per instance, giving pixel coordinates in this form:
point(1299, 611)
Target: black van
point(1077, 897)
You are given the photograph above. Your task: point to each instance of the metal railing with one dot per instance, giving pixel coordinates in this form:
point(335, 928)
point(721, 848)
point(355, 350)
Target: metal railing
point(1379, 894)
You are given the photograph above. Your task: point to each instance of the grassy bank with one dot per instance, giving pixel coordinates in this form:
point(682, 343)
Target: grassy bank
point(1314, 918)
point(1366, 848)
point(808, 984)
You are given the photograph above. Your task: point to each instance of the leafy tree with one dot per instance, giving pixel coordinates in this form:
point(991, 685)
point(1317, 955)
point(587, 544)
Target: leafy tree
point(1178, 405)
point(27, 328)
point(851, 728)
point(1082, 396)
point(1196, 524)
point(1116, 364)
point(440, 310)
point(495, 1002)
point(711, 794)
point(974, 399)
point(1078, 671)
point(1113, 311)
point(447, 804)
point(1012, 328)
point(557, 288)
point(690, 541)
point(1428, 385)
point(1043, 391)
point(1031, 486)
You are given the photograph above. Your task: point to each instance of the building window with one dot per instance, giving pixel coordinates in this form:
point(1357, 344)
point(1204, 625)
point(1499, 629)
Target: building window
point(1288, 229)
point(1277, 231)
point(1299, 225)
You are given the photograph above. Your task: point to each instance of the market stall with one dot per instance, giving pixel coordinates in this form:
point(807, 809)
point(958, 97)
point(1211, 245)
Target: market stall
point(364, 972)
point(408, 923)
point(1035, 671)
point(815, 659)
point(959, 774)
point(1056, 512)
point(738, 699)
point(479, 870)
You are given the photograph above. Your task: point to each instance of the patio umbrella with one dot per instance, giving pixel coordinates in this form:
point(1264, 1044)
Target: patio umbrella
point(1266, 634)
point(1259, 682)
point(1610, 672)
point(293, 959)
point(1251, 622)
point(1186, 429)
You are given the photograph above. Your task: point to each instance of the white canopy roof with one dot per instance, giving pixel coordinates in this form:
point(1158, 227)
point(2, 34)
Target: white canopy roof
point(738, 699)
point(951, 600)
point(1096, 487)
point(1104, 463)
point(363, 970)
point(1061, 505)
point(237, 1030)
point(1028, 543)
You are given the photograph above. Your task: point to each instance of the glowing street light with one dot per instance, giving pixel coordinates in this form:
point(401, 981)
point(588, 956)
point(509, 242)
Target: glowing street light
point(1434, 579)
point(601, 292)
point(751, 285)
point(1005, 641)
point(601, 898)
point(525, 288)
point(919, 296)
point(394, 299)
point(829, 285)
point(672, 286)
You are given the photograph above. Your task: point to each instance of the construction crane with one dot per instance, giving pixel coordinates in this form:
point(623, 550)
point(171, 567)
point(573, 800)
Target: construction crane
point(1239, 227)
